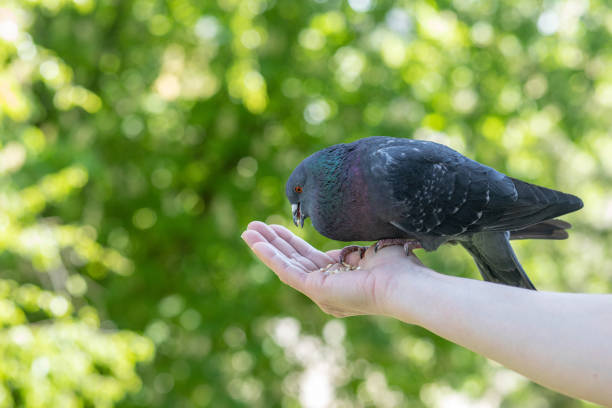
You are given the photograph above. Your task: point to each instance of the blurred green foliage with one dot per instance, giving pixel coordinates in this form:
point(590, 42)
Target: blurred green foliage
point(139, 137)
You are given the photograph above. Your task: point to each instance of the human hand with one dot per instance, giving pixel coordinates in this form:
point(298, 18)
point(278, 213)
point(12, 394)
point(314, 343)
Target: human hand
point(371, 289)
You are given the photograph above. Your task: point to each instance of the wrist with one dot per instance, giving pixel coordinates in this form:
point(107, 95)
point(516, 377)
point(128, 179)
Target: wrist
point(413, 295)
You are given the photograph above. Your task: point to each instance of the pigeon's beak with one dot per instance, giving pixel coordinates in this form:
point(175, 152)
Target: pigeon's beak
point(298, 216)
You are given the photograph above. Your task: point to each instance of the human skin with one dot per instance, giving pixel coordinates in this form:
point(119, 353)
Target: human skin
point(562, 341)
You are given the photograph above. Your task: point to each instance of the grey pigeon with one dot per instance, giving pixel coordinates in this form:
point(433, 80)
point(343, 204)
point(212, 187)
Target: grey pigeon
point(404, 190)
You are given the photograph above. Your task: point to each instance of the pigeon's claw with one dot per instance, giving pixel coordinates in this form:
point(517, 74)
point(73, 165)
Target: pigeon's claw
point(408, 244)
point(349, 250)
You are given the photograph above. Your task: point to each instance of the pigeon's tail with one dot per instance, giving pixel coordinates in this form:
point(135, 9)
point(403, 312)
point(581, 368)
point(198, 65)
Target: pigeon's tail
point(496, 260)
point(549, 229)
point(533, 205)
point(543, 203)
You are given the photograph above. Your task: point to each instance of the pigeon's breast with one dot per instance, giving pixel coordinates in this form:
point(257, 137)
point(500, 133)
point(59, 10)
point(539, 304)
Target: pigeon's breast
point(345, 209)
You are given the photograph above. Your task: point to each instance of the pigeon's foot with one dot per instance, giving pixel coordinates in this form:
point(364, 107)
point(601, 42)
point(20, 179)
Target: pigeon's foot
point(349, 250)
point(408, 244)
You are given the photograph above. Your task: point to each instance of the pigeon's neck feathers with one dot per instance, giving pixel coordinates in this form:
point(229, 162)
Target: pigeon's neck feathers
point(340, 192)
point(330, 168)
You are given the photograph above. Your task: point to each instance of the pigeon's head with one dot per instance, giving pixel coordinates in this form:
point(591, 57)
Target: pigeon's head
point(315, 182)
point(298, 194)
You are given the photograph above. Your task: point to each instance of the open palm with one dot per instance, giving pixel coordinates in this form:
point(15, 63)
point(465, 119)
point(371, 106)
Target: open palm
point(366, 290)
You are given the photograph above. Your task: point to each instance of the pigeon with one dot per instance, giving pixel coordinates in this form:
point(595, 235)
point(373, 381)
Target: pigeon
point(422, 194)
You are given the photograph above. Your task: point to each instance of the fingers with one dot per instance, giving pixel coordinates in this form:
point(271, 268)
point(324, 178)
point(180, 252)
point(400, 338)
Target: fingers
point(334, 254)
point(282, 266)
point(282, 244)
point(321, 259)
point(272, 237)
point(251, 237)
point(352, 258)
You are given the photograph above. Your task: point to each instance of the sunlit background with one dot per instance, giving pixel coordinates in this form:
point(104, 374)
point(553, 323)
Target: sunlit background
point(138, 138)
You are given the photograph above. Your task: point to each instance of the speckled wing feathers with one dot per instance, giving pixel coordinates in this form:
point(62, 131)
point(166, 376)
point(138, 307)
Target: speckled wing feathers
point(437, 192)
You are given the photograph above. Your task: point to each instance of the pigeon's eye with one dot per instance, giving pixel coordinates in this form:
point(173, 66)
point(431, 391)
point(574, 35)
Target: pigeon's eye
point(298, 189)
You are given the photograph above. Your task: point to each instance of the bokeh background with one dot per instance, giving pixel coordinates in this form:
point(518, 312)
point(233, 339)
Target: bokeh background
point(139, 137)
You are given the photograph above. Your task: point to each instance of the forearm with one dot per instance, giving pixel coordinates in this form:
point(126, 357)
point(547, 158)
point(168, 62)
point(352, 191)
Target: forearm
point(562, 341)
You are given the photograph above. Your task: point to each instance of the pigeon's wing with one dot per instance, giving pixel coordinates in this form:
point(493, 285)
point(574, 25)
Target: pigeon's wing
point(436, 191)
point(433, 189)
